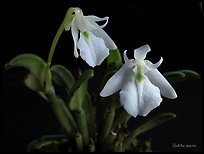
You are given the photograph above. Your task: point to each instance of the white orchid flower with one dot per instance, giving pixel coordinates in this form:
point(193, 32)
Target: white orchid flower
point(140, 83)
point(89, 37)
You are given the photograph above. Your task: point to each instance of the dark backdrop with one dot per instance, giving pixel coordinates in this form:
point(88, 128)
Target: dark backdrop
point(172, 29)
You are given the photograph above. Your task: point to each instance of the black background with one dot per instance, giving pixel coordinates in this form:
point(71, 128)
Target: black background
point(172, 29)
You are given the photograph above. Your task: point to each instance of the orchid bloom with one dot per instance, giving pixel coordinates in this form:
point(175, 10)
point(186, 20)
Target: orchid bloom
point(140, 83)
point(89, 37)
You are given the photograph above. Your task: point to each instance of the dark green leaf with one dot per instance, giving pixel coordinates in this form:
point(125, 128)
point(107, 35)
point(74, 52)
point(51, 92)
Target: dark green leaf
point(78, 97)
point(30, 61)
point(154, 122)
point(114, 58)
point(39, 71)
point(79, 91)
point(181, 75)
point(85, 76)
point(174, 75)
point(150, 124)
point(33, 83)
point(190, 74)
point(62, 76)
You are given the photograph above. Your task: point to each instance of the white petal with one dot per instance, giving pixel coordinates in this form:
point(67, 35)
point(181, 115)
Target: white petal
point(129, 98)
point(75, 34)
point(102, 34)
point(149, 96)
point(140, 98)
point(87, 23)
point(92, 49)
point(141, 52)
point(84, 24)
point(159, 80)
point(116, 82)
point(128, 62)
point(151, 66)
point(95, 18)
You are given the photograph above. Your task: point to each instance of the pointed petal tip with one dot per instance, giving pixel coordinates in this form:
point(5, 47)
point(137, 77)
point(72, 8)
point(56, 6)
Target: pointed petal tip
point(160, 81)
point(104, 94)
point(173, 95)
point(133, 115)
point(125, 56)
point(159, 62)
point(130, 111)
point(76, 53)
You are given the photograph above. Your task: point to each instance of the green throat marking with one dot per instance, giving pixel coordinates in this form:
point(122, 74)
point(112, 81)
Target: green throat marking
point(139, 76)
point(86, 35)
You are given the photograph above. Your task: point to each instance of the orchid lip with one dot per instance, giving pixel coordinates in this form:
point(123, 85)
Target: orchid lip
point(139, 83)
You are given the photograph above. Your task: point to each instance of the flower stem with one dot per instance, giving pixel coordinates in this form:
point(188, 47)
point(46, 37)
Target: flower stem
point(122, 119)
point(109, 116)
point(59, 110)
point(54, 43)
point(108, 121)
point(79, 142)
point(108, 142)
point(69, 116)
point(92, 147)
point(83, 129)
point(91, 116)
point(64, 26)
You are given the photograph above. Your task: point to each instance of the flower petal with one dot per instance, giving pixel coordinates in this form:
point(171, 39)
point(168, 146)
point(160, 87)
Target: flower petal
point(149, 96)
point(75, 34)
point(141, 52)
point(140, 98)
point(95, 18)
point(159, 80)
point(92, 49)
point(102, 34)
point(83, 24)
point(151, 66)
point(128, 62)
point(116, 82)
point(129, 98)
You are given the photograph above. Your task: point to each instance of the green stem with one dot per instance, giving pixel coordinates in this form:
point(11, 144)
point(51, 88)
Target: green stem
point(108, 142)
point(79, 142)
point(91, 116)
point(92, 147)
point(108, 122)
point(118, 146)
point(66, 24)
point(54, 43)
point(69, 116)
point(109, 116)
point(83, 129)
point(56, 105)
point(122, 119)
